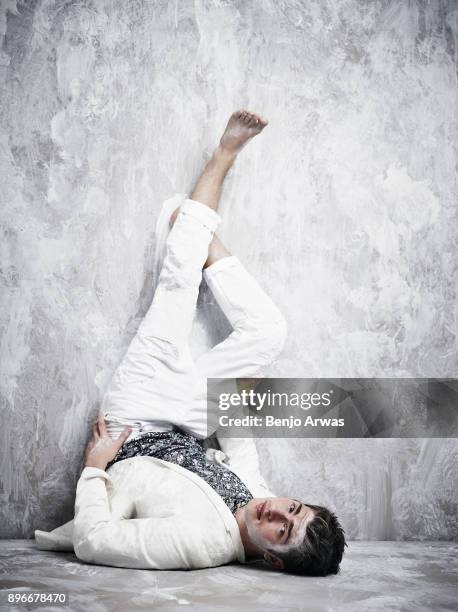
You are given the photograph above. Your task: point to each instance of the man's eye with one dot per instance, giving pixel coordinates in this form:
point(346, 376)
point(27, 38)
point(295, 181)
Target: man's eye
point(282, 530)
point(291, 508)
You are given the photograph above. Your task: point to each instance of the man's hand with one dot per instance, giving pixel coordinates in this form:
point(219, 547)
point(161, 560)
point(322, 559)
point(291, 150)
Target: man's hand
point(102, 449)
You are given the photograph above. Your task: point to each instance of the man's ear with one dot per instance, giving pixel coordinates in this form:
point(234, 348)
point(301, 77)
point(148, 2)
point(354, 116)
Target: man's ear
point(274, 560)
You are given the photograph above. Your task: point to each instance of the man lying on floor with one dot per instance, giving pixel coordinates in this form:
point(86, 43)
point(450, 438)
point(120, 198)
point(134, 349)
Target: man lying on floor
point(150, 496)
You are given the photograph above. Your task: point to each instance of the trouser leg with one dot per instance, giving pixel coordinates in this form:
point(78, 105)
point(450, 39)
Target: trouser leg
point(149, 387)
point(259, 333)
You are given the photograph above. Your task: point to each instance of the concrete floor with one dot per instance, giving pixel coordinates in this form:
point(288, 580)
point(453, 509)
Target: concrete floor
point(386, 576)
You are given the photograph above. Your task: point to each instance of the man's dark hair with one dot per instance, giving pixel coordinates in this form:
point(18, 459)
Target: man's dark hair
point(322, 548)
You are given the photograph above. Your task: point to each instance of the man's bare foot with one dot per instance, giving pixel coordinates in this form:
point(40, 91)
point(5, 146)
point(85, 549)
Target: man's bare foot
point(241, 127)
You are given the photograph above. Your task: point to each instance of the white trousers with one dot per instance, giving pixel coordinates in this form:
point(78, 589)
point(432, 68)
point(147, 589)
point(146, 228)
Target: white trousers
point(158, 385)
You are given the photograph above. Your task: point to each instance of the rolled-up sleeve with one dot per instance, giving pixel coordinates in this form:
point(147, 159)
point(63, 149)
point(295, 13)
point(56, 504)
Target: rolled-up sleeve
point(147, 543)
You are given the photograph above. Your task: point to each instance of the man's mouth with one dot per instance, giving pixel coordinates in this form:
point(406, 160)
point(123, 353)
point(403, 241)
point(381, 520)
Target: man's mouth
point(260, 509)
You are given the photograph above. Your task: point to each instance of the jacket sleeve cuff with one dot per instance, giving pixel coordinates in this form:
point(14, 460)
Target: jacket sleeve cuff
point(93, 472)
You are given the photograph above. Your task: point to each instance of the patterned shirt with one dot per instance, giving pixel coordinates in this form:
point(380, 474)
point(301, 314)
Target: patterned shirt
point(185, 450)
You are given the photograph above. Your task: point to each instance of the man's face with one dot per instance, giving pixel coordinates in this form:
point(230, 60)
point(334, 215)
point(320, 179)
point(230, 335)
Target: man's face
point(277, 523)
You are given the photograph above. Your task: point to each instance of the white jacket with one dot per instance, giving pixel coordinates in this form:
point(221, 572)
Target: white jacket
point(146, 513)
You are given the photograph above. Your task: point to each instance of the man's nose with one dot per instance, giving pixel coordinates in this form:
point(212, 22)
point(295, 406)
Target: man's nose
point(275, 514)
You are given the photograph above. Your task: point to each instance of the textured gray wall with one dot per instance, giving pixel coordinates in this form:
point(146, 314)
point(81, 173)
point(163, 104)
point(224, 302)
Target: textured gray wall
point(343, 208)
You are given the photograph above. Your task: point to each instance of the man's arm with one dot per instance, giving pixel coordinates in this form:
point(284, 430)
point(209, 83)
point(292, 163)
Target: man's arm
point(147, 543)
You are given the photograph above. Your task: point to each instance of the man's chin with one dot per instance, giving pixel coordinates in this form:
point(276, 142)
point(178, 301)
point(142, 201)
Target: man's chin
point(253, 523)
point(251, 511)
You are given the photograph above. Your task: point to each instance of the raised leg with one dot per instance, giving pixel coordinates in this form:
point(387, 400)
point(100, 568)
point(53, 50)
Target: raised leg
point(259, 333)
point(150, 387)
